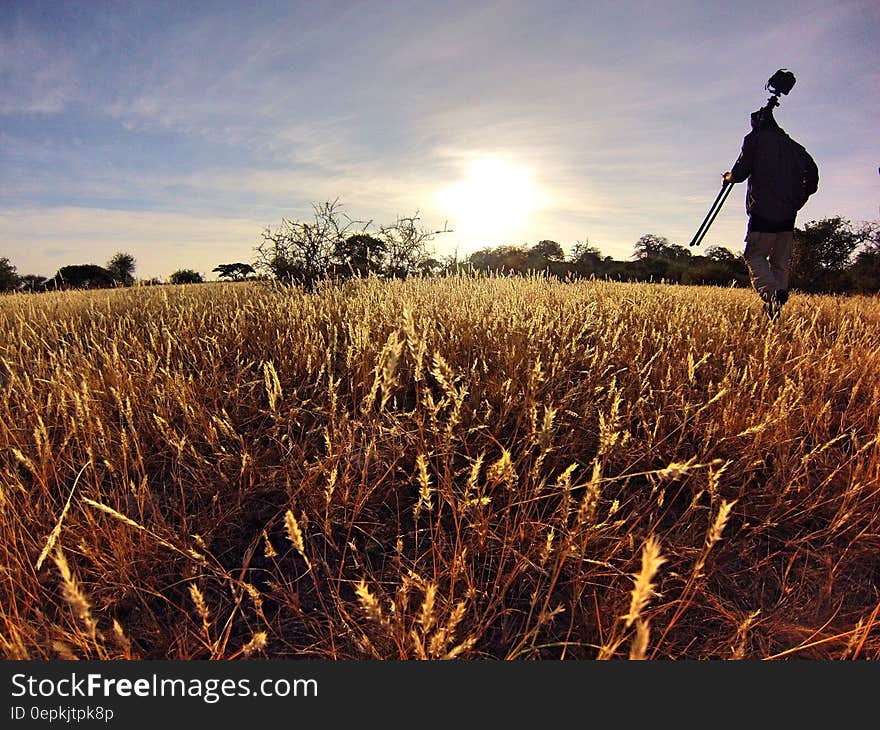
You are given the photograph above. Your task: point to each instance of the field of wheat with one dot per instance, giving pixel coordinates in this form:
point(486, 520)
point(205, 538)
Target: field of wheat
point(462, 468)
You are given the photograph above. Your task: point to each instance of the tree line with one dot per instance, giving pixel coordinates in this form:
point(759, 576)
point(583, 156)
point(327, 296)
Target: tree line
point(118, 271)
point(831, 255)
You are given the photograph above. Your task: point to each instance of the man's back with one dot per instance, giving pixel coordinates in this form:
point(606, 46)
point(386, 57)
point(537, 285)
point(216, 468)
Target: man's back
point(781, 174)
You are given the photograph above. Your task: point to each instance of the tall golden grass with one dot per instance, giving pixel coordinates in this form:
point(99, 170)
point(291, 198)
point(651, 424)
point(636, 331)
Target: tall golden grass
point(439, 469)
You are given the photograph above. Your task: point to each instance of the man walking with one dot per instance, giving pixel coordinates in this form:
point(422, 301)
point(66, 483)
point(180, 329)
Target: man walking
point(781, 177)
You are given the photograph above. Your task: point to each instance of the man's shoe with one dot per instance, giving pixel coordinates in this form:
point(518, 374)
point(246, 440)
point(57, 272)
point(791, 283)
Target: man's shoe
point(771, 307)
point(774, 310)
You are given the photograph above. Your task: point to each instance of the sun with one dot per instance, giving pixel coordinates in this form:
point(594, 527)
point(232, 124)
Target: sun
point(492, 203)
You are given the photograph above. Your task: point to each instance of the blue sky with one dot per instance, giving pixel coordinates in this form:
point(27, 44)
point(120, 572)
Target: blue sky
point(178, 132)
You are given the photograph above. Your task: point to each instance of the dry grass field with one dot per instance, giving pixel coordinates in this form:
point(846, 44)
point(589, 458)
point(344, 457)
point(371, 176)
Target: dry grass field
point(447, 468)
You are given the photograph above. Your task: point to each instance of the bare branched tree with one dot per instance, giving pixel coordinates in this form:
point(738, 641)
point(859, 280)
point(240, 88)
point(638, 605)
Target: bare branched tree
point(304, 252)
point(334, 245)
point(406, 246)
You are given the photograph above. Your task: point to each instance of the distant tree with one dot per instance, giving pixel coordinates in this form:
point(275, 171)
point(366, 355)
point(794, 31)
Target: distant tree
point(584, 250)
point(236, 272)
point(8, 275)
point(676, 252)
point(31, 283)
point(121, 266)
point(715, 270)
point(406, 245)
point(430, 266)
point(656, 259)
point(185, 276)
point(82, 276)
point(652, 268)
point(865, 270)
point(721, 254)
point(651, 245)
point(481, 260)
point(548, 250)
point(585, 259)
point(822, 253)
point(359, 255)
point(546, 256)
point(451, 265)
point(505, 259)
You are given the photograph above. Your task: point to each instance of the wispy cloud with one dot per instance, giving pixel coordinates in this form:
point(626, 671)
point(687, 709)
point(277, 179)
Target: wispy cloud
point(35, 77)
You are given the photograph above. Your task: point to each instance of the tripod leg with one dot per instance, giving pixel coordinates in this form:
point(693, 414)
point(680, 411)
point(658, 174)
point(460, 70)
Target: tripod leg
point(713, 212)
point(717, 209)
point(701, 230)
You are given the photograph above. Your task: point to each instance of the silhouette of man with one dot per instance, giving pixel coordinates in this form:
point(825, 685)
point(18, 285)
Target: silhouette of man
point(781, 177)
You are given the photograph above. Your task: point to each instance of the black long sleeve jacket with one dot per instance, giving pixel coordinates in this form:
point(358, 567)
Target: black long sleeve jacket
point(781, 177)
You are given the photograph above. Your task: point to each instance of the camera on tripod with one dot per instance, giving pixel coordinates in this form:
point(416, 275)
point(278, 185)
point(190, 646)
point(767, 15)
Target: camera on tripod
point(779, 83)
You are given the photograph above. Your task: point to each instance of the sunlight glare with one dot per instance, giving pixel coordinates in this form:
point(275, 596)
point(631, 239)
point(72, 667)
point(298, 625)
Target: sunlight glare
point(491, 204)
